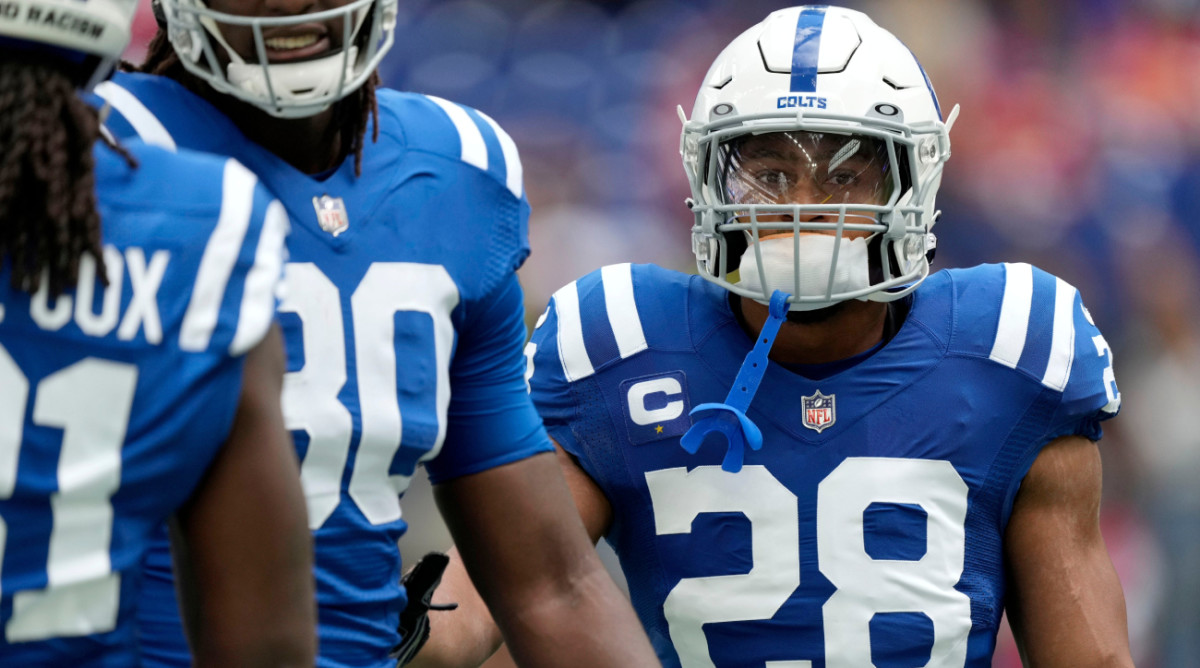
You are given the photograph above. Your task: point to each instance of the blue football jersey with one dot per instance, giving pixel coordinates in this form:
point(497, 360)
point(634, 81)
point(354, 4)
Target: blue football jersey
point(115, 398)
point(868, 527)
point(404, 325)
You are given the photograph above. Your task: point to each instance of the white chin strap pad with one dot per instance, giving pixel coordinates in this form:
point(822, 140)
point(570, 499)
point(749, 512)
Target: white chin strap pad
point(779, 263)
point(306, 81)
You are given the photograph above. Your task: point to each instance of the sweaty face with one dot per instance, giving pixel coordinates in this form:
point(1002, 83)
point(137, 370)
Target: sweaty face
point(298, 41)
point(805, 168)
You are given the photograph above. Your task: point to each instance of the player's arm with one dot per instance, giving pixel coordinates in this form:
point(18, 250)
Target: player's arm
point(541, 576)
point(1065, 602)
point(499, 488)
point(243, 551)
point(468, 635)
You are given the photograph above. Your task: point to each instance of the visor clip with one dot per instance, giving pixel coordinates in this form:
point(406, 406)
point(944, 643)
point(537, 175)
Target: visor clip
point(895, 225)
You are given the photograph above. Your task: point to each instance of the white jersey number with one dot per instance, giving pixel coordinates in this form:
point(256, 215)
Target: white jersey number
point(90, 401)
point(865, 586)
point(310, 394)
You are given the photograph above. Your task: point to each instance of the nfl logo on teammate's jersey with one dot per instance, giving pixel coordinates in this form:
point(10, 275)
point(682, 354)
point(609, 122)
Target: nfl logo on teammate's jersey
point(331, 214)
point(819, 412)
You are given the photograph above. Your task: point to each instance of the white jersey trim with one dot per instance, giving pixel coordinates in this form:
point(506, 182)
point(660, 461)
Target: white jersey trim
point(572, 351)
point(143, 121)
point(474, 150)
point(513, 170)
point(220, 256)
point(622, 309)
point(1062, 342)
point(1014, 315)
point(258, 299)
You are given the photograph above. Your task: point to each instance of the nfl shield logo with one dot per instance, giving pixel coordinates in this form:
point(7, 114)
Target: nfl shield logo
point(331, 214)
point(819, 412)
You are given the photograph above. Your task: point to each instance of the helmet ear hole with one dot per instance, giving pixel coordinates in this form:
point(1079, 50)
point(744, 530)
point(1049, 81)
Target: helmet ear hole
point(902, 164)
point(735, 246)
point(160, 17)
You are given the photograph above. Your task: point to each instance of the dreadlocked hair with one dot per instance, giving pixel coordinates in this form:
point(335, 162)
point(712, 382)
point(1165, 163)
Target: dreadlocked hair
point(48, 214)
point(351, 115)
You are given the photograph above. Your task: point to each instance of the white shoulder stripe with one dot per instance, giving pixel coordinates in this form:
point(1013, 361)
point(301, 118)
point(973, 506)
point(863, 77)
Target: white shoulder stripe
point(622, 309)
point(220, 256)
point(512, 158)
point(571, 349)
point(258, 298)
point(1014, 314)
point(143, 121)
point(474, 151)
point(1062, 342)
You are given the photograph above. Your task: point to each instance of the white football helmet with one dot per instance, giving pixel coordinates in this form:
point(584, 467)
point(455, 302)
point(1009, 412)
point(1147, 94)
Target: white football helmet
point(287, 90)
point(98, 29)
point(815, 120)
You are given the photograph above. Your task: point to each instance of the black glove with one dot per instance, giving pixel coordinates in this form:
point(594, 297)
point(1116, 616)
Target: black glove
point(414, 620)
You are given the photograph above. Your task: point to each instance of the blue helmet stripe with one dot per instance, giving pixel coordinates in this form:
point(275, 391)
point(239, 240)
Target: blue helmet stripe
point(806, 49)
point(929, 84)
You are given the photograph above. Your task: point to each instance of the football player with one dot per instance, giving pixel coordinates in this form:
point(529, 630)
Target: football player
point(815, 453)
point(140, 371)
point(404, 322)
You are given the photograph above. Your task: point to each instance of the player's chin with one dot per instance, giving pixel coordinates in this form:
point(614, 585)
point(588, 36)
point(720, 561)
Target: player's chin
point(816, 316)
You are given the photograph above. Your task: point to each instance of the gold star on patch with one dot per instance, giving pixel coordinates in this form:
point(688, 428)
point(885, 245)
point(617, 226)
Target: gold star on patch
point(658, 429)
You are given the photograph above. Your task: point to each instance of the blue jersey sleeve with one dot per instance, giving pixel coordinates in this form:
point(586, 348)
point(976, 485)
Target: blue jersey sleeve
point(1090, 394)
point(1034, 323)
point(548, 384)
point(223, 225)
point(510, 233)
point(592, 324)
point(479, 180)
point(491, 420)
point(238, 281)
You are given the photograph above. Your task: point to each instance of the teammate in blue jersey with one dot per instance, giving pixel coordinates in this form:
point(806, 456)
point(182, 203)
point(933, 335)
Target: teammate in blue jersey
point(403, 322)
point(140, 371)
point(916, 453)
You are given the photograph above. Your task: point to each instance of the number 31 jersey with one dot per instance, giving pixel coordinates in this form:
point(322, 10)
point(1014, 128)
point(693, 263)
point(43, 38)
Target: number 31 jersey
point(403, 322)
point(115, 398)
point(868, 527)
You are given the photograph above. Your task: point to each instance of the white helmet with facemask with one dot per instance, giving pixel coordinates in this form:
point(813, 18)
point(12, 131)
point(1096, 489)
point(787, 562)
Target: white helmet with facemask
point(295, 89)
point(814, 154)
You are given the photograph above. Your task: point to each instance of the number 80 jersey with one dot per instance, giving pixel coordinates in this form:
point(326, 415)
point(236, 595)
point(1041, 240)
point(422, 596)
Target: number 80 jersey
point(403, 321)
point(868, 527)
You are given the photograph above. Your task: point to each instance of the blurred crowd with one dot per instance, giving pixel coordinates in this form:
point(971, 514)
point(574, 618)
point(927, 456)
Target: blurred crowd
point(1078, 150)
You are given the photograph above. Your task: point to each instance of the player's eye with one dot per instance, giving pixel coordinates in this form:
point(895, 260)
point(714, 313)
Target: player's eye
point(842, 178)
point(773, 179)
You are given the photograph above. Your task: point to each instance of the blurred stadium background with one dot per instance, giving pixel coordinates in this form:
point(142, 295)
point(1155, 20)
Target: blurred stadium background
point(1078, 150)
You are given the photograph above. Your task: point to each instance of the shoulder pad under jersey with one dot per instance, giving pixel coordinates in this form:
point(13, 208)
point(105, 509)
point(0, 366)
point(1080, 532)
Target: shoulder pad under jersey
point(434, 125)
point(1028, 320)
